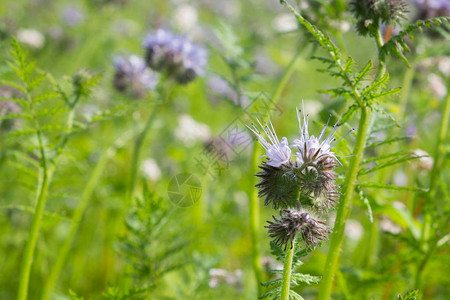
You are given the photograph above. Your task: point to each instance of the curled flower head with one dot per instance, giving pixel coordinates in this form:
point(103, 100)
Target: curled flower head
point(279, 186)
point(278, 152)
point(133, 76)
point(315, 164)
point(175, 56)
point(284, 229)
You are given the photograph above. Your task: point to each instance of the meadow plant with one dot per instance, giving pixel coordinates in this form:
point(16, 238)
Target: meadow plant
point(302, 187)
point(349, 213)
point(39, 130)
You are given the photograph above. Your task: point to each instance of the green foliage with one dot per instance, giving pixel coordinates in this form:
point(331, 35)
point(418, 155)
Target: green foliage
point(411, 295)
point(152, 245)
point(398, 45)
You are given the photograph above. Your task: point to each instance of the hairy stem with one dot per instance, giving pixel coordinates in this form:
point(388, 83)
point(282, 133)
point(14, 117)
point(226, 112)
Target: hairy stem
point(253, 196)
point(344, 206)
point(427, 218)
point(79, 212)
point(287, 268)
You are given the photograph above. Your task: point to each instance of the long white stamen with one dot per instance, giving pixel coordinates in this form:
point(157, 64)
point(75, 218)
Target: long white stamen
point(353, 129)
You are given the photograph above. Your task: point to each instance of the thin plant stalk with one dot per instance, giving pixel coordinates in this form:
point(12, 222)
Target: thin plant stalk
point(136, 154)
point(427, 218)
point(45, 176)
point(345, 203)
point(344, 207)
point(253, 199)
point(79, 212)
point(287, 268)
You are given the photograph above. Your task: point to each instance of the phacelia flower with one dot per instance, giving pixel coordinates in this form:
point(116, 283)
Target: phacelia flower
point(175, 56)
point(284, 229)
point(278, 152)
point(432, 8)
point(315, 164)
point(132, 76)
point(306, 179)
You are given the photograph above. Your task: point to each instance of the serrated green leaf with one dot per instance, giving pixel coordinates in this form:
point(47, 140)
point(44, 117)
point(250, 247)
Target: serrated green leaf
point(296, 278)
point(394, 161)
point(391, 187)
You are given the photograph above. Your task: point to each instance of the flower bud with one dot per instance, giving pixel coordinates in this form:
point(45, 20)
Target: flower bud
point(283, 230)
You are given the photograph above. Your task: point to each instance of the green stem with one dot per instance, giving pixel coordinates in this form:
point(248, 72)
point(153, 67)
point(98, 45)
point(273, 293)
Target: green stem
point(45, 178)
point(406, 89)
point(286, 283)
point(32, 236)
point(253, 197)
point(344, 207)
point(136, 155)
point(427, 218)
point(79, 212)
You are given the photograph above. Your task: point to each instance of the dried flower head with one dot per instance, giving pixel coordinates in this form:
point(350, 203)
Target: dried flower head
point(175, 56)
point(284, 228)
point(132, 76)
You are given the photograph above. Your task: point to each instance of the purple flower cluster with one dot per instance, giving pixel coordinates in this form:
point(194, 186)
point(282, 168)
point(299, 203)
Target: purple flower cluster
point(432, 8)
point(300, 185)
point(174, 56)
point(132, 76)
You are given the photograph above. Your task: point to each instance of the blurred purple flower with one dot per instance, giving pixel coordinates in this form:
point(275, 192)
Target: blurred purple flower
point(133, 76)
point(175, 56)
point(432, 8)
point(72, 15)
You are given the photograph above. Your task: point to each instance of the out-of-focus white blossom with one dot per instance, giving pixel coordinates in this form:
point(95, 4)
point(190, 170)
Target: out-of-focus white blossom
point(426, 162)
point(185, 17)
point(387, 225)
point(285, 22)
point(437, 85)
point(151, 170)
point(353, 229)
point(31, 38)
point(190, 131)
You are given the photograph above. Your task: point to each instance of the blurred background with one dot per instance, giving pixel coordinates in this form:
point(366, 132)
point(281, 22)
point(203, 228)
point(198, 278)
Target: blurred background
point(199, 247)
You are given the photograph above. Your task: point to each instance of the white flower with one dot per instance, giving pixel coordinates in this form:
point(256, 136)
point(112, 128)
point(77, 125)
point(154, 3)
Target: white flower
point(151, 170)
point(189, 131)
point(31, 38)
point(311, 148)
point(278, 153)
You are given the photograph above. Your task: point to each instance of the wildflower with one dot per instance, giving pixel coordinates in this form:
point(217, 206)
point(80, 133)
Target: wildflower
point(133, 76)
point(284, 229)
point(310, 179)
point(151, 170)
point(189, 131)
point(278, 185)
point(72, 15)
point(428, 9)
point(315, 163)
point(31, 38)
point(278, 152)
point(175, 56)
